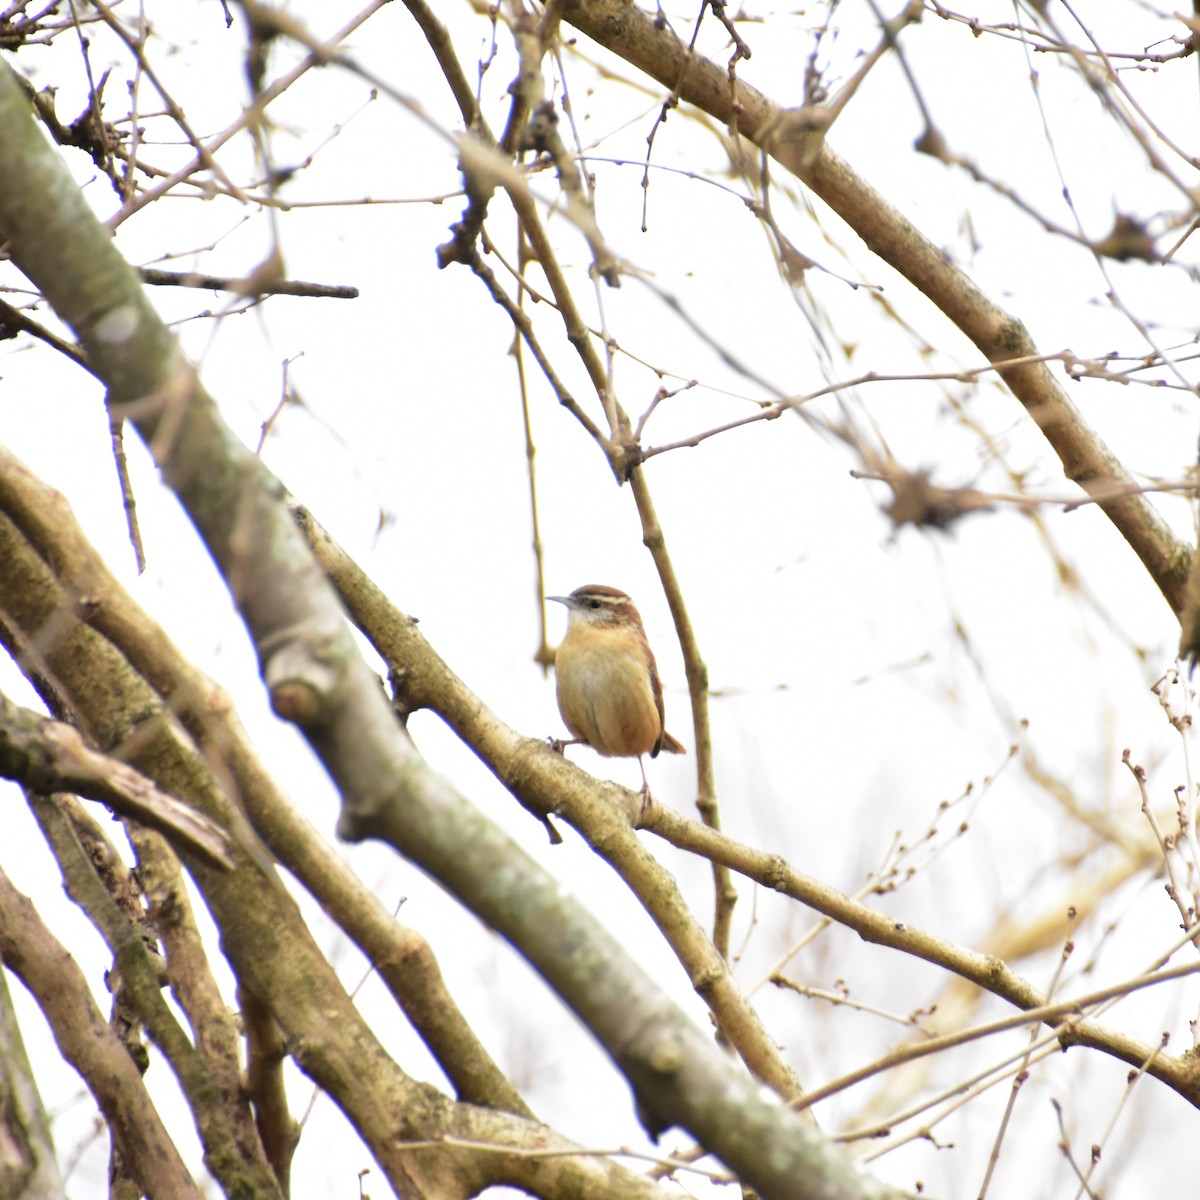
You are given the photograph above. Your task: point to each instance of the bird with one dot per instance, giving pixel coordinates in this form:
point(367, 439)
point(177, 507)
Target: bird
point(606, 680)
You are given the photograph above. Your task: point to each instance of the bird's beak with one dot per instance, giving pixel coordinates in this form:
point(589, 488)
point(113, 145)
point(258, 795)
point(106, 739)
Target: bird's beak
point(560, 600)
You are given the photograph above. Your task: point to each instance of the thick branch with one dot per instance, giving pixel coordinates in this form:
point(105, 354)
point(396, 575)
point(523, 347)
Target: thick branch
point(32, 952)
point(403, 958)
point(236, 1161)
point(28, 1166)
point(49, 756)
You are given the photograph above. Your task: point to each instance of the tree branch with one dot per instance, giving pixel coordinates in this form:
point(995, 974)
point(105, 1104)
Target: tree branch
point(49, 756)
point(42, 963)
point(795, 138)
point(317, 679)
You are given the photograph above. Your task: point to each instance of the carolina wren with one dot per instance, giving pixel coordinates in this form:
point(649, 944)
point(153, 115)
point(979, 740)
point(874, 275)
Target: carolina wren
point(607, 682)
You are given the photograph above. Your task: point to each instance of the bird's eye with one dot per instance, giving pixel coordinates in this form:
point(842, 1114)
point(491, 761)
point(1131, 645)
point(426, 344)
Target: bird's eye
point(593, 603)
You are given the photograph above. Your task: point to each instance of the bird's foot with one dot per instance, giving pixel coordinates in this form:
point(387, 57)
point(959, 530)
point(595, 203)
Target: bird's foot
point(647, 804)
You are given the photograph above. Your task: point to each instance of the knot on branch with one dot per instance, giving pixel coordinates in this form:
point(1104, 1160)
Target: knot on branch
point(302, 668)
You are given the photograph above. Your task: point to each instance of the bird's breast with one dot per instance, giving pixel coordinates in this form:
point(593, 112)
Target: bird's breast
point(605, 695)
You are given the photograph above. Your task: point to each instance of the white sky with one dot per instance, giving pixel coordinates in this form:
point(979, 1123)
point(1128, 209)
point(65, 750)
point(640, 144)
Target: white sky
point(846, 707)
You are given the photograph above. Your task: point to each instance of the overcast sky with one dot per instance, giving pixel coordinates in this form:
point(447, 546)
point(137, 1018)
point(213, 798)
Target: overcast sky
point(860, 677)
